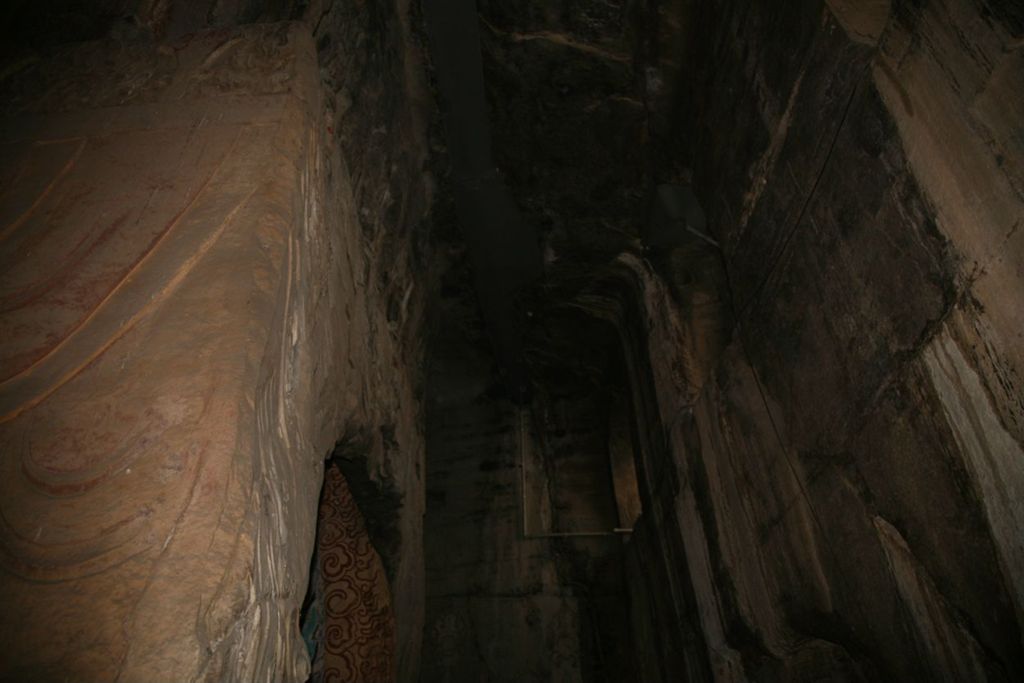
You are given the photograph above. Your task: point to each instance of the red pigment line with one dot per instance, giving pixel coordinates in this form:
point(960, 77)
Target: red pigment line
point(79, 253)
point(10, 229)
point(74, 488)
point(131, 269)
point(156, 299)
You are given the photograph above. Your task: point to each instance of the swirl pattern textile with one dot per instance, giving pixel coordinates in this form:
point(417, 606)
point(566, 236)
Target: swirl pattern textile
point(358, 638)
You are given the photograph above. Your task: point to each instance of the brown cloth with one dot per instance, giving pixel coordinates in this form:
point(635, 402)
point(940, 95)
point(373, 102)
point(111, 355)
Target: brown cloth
point(358, 640)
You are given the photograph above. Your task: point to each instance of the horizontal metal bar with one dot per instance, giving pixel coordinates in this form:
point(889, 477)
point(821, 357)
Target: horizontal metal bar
point(522, 498)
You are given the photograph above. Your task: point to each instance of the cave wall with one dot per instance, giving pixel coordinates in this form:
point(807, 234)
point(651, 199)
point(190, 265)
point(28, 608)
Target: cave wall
point(376, 109)
point(560, 96)
point(506, 601)
point(214, 277)
point(846, 478)
point(569, 124)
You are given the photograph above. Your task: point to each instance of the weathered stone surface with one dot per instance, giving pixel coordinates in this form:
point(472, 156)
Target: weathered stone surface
point(563, 98)
point(505, 601)
point(213, 270)
point(141, 346)
point(376, 109)
point(193, 316)
point(846, 497)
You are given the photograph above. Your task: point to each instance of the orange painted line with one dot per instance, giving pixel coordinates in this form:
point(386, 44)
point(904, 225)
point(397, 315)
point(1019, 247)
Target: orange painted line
point(155, 299)
point(17, 223)
point(132, 269)
point(33, 292)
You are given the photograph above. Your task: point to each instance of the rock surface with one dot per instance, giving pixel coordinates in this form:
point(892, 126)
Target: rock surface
point(506, 600)
point(195, 312)
point(828, 414)
point(846, 475)
point(215, 272)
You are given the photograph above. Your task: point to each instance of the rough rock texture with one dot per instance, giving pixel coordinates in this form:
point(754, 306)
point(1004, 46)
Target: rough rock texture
point(36, 25)
point(827, 411)
point(502, 606)
point(194, 313)
point(376, 109)
point(568, 123)
point(846, 482)
point(212, 273)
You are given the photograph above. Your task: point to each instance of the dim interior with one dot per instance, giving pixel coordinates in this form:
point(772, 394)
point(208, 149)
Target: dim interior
point(512, 340)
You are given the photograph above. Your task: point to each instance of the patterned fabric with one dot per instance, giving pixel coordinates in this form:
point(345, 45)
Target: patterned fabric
point(357, 641)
